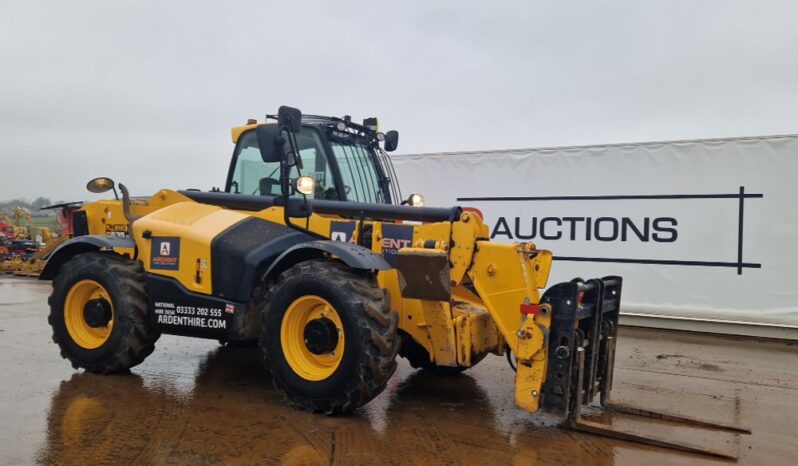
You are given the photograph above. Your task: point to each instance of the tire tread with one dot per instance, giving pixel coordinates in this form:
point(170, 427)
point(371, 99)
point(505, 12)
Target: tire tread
point(139, 338)
point(378, 321)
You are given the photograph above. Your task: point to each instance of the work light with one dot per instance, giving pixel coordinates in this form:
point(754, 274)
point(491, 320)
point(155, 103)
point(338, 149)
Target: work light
point(305, 185)
point(416, 200)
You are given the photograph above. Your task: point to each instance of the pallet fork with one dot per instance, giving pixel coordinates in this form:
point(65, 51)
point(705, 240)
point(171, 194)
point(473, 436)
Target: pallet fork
point(585, 317)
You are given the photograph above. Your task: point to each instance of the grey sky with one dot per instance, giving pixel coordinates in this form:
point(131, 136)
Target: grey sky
point(146, 92)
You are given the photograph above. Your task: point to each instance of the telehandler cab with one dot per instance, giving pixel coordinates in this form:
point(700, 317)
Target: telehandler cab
point(311, 251)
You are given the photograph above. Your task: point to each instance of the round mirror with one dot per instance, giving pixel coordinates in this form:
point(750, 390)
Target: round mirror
point(100, 185)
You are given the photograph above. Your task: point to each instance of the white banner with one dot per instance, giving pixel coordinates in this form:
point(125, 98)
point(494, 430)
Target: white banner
point(698, 229)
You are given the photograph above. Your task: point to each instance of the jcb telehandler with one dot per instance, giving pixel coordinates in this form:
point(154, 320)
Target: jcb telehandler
point(311, 251)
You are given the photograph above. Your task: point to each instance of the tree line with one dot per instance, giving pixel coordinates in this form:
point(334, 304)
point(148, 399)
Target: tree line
point(33, 206)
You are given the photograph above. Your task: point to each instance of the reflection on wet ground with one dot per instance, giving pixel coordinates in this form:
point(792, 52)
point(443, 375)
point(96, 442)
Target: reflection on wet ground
point(194, 402)
point(232, 416)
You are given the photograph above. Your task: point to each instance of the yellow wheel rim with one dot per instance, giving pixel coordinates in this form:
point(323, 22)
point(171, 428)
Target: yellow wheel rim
point(312, 354)
point(83, 293)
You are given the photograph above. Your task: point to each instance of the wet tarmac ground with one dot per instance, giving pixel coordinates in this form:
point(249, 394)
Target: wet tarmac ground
point(195, 402)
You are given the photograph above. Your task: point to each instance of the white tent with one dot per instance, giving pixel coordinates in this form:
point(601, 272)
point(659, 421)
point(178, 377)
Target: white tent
point(703, 232)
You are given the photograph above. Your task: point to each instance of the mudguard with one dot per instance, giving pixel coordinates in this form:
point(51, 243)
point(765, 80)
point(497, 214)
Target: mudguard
point(352, 255)
point(82, 244)
point(254, 250)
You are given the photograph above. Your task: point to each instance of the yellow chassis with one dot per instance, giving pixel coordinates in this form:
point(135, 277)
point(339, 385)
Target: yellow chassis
point(488, 282)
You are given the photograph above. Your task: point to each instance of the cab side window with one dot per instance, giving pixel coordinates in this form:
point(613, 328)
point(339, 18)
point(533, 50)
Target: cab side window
point(253, 176)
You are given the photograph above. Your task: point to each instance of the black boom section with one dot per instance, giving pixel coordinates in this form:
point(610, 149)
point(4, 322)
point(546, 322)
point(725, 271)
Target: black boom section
point(340, 208)
point(241, 254)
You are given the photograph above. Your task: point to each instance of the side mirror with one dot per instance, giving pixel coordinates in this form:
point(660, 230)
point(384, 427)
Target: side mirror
point(289, 118)
point(100, 185)
point(270, 143)
point(391, 140)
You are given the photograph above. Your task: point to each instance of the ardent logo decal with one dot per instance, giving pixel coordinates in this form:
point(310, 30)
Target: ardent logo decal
point(394, 238)
point(342, 231)
point(339, 236)
point(167, 256)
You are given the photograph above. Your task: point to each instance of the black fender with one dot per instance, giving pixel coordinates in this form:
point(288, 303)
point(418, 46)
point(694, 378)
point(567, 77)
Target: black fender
point(265, 263)
point(254, 250)
point(80, 245)
point(353, 255)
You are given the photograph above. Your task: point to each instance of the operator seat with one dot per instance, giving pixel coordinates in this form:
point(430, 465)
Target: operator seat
point(266, 186)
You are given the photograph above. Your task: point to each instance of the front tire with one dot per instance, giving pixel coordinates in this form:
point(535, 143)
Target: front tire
point(98, 313)
point(329, 337)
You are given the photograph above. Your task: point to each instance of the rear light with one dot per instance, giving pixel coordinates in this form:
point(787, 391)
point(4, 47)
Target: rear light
point(530, 309)
point(80, 224)
point(474, 211)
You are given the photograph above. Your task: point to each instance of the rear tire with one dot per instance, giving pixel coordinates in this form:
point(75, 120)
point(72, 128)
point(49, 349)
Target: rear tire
point(329, 337)
point(117, 341)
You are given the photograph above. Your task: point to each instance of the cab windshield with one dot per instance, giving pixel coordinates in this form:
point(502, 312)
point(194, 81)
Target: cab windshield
point(358, 170)
point(359, 178)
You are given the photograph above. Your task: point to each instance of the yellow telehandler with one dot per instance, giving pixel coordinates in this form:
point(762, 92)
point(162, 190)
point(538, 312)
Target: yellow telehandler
point(312, 251)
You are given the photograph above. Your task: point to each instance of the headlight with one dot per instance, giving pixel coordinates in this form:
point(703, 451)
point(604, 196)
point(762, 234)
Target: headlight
point(305, 185)
point(380, 137)
point(340, 126)
point(416, 200)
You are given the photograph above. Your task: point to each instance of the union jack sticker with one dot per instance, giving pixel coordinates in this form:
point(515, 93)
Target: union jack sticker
point(230, 308)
